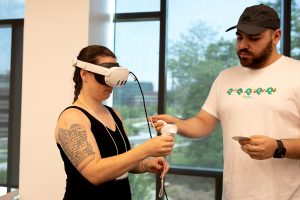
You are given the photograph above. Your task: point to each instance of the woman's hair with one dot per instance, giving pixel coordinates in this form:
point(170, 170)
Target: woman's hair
point(88, 54)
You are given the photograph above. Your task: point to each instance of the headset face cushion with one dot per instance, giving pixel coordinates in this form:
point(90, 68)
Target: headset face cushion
point(100, 78)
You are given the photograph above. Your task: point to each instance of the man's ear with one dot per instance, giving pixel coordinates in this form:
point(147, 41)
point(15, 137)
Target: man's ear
point(276, 36)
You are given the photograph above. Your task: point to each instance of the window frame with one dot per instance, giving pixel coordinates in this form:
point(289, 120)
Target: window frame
point(15, 94)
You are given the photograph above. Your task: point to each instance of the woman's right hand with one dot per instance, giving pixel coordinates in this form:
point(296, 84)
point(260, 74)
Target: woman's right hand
point(159, 146)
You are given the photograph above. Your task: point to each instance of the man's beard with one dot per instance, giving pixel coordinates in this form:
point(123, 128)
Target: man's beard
point(257, 61)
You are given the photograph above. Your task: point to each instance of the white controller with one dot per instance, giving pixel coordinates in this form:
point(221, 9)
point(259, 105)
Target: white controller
point(168, 128)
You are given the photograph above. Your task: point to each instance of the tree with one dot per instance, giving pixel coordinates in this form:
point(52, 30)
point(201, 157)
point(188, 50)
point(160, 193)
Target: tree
point(295, 25)
point(295, 31)
point(193, 64)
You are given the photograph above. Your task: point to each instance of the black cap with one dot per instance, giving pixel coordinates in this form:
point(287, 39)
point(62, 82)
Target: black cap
point(256, 19)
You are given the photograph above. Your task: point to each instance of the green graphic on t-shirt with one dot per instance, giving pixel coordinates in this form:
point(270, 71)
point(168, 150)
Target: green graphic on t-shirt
point(248, 92)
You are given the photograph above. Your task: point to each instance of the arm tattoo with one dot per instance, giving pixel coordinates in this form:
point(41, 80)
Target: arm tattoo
point(74, 143)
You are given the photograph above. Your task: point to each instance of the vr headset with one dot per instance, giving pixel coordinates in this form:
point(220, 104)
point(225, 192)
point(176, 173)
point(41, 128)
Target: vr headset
point(110, 74)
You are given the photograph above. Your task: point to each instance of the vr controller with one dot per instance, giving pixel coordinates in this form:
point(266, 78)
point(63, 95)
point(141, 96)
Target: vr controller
point(114, 76)
point(168, 128)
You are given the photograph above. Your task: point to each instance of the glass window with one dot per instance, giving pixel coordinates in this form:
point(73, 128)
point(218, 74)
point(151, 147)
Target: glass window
point(142, 186)
point(198, 49)
point(127, 6)
point(11, 9)
point(199, 188)
point(5, 57)
point(295, 30)
point(137, 47)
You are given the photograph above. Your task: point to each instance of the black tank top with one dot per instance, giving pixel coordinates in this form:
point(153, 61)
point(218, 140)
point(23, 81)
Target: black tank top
point(79, 188)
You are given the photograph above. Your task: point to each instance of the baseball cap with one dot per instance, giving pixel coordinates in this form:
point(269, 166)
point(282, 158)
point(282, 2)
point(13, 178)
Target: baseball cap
point(256, 19)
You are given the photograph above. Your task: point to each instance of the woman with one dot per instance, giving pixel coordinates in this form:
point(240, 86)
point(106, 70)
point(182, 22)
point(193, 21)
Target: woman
point(92, 141)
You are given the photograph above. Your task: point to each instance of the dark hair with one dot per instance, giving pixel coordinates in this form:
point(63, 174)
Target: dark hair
point(88, 54)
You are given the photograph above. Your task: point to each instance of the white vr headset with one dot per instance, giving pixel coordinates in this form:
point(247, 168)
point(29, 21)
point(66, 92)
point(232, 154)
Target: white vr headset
point(114, 76)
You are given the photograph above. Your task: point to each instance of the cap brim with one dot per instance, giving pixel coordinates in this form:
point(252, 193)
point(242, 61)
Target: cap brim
point(233, 27)
point(249, 29)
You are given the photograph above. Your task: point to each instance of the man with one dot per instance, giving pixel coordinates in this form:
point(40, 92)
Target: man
point(258, 104)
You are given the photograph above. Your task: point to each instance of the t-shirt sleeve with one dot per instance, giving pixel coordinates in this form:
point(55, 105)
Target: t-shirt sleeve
point(210, 104)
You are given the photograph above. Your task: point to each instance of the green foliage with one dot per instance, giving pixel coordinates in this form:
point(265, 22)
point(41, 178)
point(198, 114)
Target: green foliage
point(194, 63)
point(194, 187)
point(207, 152)
point(295, 25)
point(135, 115)
point(143, 186)
point(295, 30)
point(131, 111)
point(3, 174)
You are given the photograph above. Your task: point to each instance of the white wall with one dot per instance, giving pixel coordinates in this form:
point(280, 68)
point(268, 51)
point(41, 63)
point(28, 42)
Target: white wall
point(55, 31)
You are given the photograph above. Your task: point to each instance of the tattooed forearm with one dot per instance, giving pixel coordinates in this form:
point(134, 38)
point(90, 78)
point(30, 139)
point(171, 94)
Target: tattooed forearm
point(74, 143)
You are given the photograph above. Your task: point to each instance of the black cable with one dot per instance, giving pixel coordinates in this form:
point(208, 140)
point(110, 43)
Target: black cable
point(144, 103)
point(145, 109)
point(166, 193)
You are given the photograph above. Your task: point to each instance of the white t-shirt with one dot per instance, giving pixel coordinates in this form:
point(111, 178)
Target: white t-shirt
point(258, 102)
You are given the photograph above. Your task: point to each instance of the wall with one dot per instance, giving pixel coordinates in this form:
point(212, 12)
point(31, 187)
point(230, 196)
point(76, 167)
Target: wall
point(54, 32)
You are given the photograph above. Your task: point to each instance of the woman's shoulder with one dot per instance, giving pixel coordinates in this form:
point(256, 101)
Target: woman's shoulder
point(73, 114)
point(70, 117)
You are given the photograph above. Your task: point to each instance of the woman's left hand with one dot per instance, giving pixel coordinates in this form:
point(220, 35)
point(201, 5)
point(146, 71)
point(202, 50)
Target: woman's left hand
point(156, 165)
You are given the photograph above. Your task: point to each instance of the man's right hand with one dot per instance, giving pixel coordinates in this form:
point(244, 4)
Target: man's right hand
point(158, 120)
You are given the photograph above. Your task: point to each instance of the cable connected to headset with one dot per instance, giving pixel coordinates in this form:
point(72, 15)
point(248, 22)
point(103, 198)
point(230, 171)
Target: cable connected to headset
point(144, 103)
point(146, 114)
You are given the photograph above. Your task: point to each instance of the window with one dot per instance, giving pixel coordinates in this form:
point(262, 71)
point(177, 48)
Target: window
point(196, 49)
point(12, 9)
point(5, 45)
point(143, 62)
point(295, 29)
point(193, 186)
point(11, 44)
point(133, 6)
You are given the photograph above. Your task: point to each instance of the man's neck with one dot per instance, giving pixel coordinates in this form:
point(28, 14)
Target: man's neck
point(273, 58)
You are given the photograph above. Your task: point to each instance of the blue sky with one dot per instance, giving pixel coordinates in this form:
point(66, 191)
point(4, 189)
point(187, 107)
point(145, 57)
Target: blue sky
point(183, 15)
point(137, 43)
point(9, 9)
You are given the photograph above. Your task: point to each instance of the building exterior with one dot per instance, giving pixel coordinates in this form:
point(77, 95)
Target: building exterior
point(4, 105)
point(130, 94)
